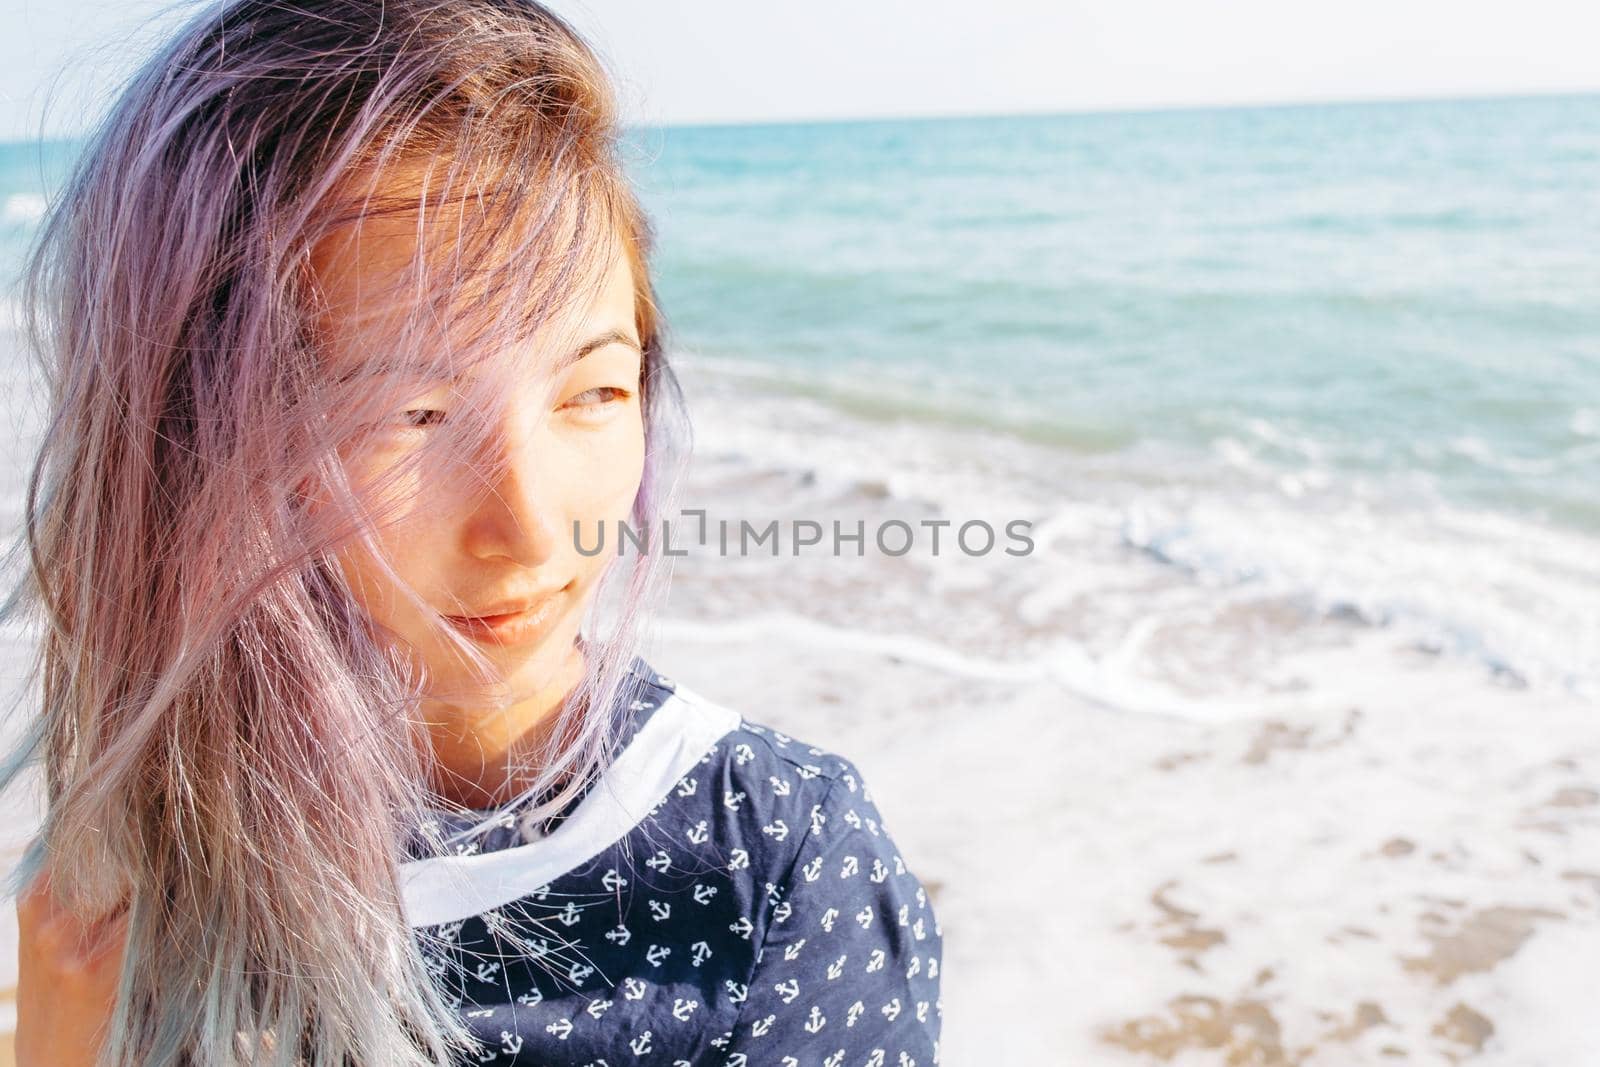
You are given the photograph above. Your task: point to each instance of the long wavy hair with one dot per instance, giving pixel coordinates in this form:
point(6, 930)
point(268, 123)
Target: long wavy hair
point(230, 745)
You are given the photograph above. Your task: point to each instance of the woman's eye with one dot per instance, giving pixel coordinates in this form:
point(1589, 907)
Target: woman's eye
point(599, 395)
point(417, 418)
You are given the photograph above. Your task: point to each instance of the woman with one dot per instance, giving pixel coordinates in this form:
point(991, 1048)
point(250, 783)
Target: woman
point(352, 355)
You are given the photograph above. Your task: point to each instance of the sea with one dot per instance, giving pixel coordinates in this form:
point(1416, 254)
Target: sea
point(1257, 380)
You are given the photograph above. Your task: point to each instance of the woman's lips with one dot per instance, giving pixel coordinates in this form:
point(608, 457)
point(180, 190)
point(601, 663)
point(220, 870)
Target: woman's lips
point(514, 629)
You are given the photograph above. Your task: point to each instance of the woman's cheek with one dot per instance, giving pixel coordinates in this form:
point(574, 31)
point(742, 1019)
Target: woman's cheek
point(610, 464)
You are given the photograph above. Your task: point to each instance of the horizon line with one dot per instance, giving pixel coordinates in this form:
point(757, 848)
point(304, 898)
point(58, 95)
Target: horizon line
point(1048, 112)
point(1128, 109)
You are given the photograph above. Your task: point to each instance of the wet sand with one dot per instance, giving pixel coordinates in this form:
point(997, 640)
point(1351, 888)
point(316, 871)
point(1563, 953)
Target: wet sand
point(1414, 878)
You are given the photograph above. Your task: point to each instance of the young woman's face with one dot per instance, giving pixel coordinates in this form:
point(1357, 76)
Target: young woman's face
point(571, 444)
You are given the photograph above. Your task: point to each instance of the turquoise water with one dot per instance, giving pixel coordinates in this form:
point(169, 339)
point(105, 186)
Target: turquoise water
point(1359, 289)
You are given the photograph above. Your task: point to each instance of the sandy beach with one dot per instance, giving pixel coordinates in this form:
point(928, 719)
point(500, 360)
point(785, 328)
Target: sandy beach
point(1401, 879)
point(1389, 880)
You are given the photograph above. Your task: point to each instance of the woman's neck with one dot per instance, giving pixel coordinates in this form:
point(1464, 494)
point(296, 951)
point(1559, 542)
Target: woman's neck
point(482, 761)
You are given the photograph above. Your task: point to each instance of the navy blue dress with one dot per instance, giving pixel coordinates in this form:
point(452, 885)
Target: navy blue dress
point(724, 896)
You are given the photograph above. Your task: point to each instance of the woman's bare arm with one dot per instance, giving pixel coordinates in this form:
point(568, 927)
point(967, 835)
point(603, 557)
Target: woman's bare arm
point(67, 975)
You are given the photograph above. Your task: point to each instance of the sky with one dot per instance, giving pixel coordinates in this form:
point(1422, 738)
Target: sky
point(715, 61)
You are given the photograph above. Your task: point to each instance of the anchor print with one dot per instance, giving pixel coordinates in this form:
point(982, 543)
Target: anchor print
point(818, 820)
point(801, 963)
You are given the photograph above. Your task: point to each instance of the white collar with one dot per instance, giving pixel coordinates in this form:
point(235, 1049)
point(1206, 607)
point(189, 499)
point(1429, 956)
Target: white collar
point(442, 889)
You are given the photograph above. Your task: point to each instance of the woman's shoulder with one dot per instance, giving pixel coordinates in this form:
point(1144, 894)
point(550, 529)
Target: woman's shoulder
point(768, 800)
point(846, 943)
point(771, 768)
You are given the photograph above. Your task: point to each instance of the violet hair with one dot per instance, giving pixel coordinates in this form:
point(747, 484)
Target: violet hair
point(226, 739)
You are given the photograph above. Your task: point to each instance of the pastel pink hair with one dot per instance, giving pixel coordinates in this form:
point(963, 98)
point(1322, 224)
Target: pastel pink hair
point(227, 740)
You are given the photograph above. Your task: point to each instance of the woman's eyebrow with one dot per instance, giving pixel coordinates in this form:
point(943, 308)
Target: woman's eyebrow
point(598, 341)
point(613, 336)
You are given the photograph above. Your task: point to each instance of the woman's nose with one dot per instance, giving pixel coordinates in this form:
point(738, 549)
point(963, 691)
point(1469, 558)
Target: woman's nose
point(517, 516)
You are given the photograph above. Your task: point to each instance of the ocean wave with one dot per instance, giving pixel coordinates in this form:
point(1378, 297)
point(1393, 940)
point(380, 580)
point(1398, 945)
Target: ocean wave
point(22, 209)
point(1261, 550)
